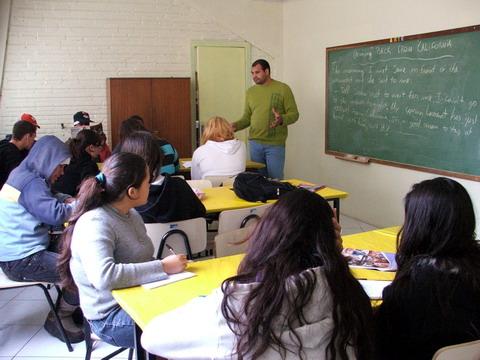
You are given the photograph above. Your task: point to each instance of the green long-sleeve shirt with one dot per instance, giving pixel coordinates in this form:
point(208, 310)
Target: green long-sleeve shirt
point(259, 101)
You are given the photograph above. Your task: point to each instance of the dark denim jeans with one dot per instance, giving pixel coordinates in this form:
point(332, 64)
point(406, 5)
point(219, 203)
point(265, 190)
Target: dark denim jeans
point(41, 266)
point(116, 328)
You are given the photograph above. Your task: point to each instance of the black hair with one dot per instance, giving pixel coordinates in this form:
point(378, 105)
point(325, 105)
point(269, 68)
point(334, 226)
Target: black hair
point(294, 236)
point(144, 144)
point(130, 125)
point(121, 171)
point(22, 128)
point(263, 63)
point(84, 139)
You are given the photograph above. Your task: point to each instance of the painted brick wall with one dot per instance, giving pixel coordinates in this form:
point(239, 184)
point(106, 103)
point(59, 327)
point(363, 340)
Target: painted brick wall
point(60, 53)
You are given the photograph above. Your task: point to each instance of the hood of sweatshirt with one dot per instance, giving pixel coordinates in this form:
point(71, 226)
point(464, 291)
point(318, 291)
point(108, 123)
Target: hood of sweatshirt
point(227, 147)
point(47, 153)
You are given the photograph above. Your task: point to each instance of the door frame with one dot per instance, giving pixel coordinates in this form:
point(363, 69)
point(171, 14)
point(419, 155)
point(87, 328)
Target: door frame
point(193, 85)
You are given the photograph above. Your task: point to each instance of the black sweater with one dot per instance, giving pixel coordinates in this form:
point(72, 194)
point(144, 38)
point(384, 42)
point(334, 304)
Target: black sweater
point(173, 200)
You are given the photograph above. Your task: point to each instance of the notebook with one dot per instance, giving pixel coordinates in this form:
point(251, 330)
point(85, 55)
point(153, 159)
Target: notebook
point(374, 288)
point(170, 279)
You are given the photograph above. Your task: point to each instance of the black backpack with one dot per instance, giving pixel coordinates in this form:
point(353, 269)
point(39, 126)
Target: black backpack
point(252, 186)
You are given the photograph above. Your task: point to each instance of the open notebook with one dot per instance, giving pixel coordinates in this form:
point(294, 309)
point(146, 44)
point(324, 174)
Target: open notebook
point(374, 288)
point(170, 279)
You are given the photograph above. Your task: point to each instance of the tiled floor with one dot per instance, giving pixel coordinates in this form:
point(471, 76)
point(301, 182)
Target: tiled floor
point(23, 311)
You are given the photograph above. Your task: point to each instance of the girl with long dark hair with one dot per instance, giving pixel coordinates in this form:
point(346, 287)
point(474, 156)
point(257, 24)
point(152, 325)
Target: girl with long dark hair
point(106, 247)
point(84, 148)
point(435, 296)
point(293, 297)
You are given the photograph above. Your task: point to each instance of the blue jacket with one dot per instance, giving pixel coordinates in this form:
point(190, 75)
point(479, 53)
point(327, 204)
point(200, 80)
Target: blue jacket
point(27, 205)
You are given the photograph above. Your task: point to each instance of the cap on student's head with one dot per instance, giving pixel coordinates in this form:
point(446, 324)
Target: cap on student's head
point(29, 118)
point(81, 118)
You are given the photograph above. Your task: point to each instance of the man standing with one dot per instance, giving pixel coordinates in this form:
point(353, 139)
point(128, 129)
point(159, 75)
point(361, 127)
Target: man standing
point(269, 108)
point(13, 151)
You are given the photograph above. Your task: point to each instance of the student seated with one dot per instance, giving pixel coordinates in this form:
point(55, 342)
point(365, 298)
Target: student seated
point(171, 163)
point(84, 148)
point(293, 297)
point(170, 198)
point(434, 299)
point(15, 149)
point(106, 246)
point(221, 154)
point(105, 151)
point(27, 210)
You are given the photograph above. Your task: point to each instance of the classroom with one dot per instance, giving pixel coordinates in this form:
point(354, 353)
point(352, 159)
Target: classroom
point(55, 57)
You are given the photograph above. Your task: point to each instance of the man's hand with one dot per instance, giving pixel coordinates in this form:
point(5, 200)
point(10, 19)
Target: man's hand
point(278, 119)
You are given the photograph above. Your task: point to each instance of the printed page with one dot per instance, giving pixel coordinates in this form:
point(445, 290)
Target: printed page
point(370, 259)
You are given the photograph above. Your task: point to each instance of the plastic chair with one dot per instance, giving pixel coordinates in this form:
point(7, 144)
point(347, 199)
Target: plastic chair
point(221, 180)
point(465, 351)
point(6, 283)
point(188, 237)
point(199, 184)
point(87, 331)
point(234, 226)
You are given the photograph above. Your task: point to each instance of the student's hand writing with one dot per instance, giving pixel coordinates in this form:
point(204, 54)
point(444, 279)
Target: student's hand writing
point(278, 119)
point(69, 200)
point(338, 229)
point(174, 263)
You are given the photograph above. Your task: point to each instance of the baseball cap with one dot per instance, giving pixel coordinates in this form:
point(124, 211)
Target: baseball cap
point(30, 119)
point(81, 118)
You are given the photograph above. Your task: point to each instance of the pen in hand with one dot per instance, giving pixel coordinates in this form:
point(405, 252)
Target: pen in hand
point(174, 253)
point(170, 249)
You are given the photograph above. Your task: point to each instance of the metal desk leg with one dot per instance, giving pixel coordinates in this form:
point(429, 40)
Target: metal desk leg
point(140, 353)
point(336, 205)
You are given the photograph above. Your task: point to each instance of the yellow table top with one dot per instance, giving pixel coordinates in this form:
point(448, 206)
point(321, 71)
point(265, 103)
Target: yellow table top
point(250, 165)
point(143, 304)
point(222, 198)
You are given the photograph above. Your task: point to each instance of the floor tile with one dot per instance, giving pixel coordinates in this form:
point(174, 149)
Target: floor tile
point(24, 312)
point(9, 294)
point(14, 337)
point(45, 346)
point(3, 303)
point(35, 293)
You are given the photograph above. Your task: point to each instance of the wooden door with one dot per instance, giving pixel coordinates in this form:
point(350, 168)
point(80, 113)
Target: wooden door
point(171, 113)
point(129, 97)
point(163, 103)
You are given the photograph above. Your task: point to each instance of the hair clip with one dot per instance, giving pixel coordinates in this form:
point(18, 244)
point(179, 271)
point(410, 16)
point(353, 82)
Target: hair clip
point(100, 178)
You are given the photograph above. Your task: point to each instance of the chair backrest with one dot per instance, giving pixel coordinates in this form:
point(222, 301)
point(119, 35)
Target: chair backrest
point(466, 351)
point(185, 237)
point(221, 180)
point(235, 219)
point(199, 184)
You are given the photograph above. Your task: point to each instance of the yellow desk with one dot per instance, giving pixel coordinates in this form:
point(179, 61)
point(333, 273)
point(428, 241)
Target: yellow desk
point(218, 199)
point(143, 305)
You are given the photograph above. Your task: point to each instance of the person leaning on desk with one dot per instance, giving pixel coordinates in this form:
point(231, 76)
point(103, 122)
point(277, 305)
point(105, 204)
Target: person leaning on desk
point(106, 247)
point(293, 294)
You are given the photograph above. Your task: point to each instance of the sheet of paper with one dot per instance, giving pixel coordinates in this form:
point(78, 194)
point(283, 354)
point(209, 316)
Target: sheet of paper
point(171, 279)
point(374, 288)
point(187, 164)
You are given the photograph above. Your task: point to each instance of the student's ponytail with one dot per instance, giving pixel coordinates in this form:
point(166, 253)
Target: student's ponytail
point(120, 172)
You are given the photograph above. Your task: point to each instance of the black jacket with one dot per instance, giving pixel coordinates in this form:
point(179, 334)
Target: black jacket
point(173, 200)
point(74, 173)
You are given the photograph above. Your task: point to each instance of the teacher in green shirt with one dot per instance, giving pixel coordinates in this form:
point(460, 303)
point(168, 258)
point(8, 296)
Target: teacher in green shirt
point(269, 108)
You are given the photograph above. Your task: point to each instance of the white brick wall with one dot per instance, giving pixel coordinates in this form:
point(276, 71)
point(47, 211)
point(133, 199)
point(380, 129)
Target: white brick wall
point(60, 53)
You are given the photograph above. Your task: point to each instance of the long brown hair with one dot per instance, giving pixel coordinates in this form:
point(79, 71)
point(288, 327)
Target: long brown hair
point(120, 172)
point(296, 235)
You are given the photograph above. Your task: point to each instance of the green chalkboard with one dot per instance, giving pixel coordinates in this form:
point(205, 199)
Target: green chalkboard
point(411, 101)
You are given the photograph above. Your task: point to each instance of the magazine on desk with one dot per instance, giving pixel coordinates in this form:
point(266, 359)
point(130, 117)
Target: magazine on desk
point(370, 259)
point(311, 187)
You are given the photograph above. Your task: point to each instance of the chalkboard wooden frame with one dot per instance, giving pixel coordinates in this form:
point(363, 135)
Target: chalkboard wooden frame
point(347, 155)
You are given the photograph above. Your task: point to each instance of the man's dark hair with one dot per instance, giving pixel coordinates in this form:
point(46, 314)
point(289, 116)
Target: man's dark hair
point(263, 63)
point(22, 128)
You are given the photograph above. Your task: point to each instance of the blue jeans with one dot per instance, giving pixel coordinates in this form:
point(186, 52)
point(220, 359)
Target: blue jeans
point(116, 328)
point(273, 156)
point(40, 266)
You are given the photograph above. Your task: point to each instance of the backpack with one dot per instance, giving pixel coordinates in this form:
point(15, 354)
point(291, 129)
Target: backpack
point(252, 186)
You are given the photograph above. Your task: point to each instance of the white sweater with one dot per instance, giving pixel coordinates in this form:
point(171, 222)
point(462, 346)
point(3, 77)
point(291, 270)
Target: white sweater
point(225, 158)
point(198, 329)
